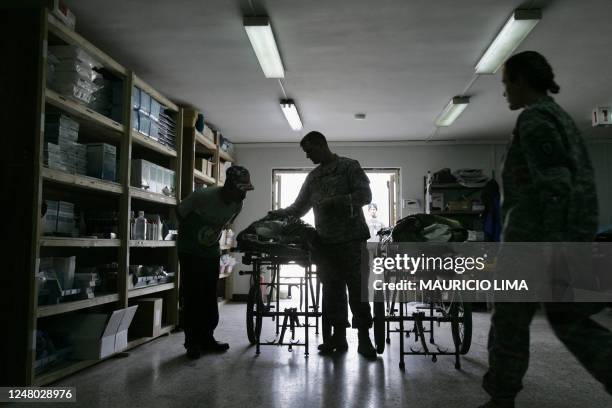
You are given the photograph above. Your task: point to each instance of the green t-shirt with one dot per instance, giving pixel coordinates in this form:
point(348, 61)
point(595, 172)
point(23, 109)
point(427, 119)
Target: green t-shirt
point(203, 216)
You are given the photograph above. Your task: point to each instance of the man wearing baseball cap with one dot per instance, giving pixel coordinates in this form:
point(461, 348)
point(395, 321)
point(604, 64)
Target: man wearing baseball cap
point(202, 216)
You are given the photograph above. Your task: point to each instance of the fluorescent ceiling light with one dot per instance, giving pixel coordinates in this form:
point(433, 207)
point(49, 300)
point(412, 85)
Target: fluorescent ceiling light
point(518, 26)
point(260, 34)
point(452, 111)
point(291, 114)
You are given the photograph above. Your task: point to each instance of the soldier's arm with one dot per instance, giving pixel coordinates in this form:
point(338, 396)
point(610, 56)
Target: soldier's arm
point(361, 194)
point(301, 204)
point(547, 158)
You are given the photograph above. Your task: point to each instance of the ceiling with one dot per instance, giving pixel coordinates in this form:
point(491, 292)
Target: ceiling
point(397, 61)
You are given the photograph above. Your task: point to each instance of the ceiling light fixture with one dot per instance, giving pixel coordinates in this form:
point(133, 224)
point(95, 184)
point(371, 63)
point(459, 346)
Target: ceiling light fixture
point(453, 109)
point(518, 26)
point(291, 114)
point(260, 34)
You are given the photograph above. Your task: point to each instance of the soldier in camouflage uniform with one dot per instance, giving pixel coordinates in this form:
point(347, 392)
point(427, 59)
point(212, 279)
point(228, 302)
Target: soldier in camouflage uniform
point(549, 195)
point(336, 190)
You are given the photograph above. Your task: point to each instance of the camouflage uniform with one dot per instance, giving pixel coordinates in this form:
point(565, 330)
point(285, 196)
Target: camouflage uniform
point(549, 195)
point(337, 191)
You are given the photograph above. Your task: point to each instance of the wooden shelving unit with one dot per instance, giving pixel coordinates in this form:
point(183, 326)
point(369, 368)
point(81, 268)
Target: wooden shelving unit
point(79, 242)
point(50, 310)
point(142, 140)
point(152, 244)
point(140, 194)
point(81, 182)
point(81, 112)
point(148, 290)
point(40, 29)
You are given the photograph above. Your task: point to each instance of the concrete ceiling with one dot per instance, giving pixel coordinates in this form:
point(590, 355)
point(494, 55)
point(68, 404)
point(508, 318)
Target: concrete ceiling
point(397, 61)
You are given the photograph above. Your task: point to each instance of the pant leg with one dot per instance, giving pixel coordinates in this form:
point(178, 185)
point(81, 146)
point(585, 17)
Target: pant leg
point(356, 272)
point(210, 278)
point(590, 342)
point(508, 349)
point(191, 292)
point(334, 301)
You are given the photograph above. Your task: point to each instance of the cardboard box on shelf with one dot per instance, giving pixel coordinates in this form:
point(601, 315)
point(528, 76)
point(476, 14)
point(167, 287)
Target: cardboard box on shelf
point(102, 161)
point(95, 335)
point(148, 319)
point(50, 217)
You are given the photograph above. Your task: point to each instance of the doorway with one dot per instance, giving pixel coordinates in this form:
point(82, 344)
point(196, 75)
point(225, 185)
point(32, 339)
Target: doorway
point(382, 212)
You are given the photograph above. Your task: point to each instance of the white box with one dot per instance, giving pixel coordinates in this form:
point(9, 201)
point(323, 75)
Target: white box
point(97, 336)
point(148, 320)
point(121, 338)
point(93, 336)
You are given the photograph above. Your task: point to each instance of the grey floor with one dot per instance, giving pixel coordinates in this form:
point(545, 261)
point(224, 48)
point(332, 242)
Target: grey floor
point(158, 374)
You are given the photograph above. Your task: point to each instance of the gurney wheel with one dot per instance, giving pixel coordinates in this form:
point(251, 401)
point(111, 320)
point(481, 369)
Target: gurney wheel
point(461, 325)
point(379, 326)
point(253, 322)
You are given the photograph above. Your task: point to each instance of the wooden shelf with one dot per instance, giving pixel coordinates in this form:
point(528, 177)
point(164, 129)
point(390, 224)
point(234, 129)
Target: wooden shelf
point(141, 194)
point(78, 181)
point(51, 310)
point(79, 242)
point(147, 290)
point(199, 176)
point(82, 112)
point(137, 342)
point(71, 37)
point(151, 244)
point(223, 155)
point(204, 141)
point(149, 143)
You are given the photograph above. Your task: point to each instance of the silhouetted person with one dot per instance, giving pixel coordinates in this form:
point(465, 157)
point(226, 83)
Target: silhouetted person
point(549, 195)
point(336, 190)
point(203, 215)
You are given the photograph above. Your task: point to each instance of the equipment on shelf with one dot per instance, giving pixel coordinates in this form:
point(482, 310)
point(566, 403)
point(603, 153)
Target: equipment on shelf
point(149, 117)
point(149, 227)
point(148, 275)
point(73, 73)
point(62, 152)
point(153, 178)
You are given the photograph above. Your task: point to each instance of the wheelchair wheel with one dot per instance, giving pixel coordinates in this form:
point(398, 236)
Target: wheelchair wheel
point(461, 325)
point(379, 325)
point(253, 322)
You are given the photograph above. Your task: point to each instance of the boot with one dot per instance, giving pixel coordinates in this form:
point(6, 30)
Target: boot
point(339, 339)
point(327, 346)
point(365, 347)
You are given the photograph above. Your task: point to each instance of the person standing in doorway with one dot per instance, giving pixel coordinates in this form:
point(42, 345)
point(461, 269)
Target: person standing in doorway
point(549, 195)
point(336, 190)
point(202, 217)
point(374, 224)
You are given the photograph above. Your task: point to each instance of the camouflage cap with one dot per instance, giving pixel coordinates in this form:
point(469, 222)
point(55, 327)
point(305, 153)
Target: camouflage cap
point(238, 177)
